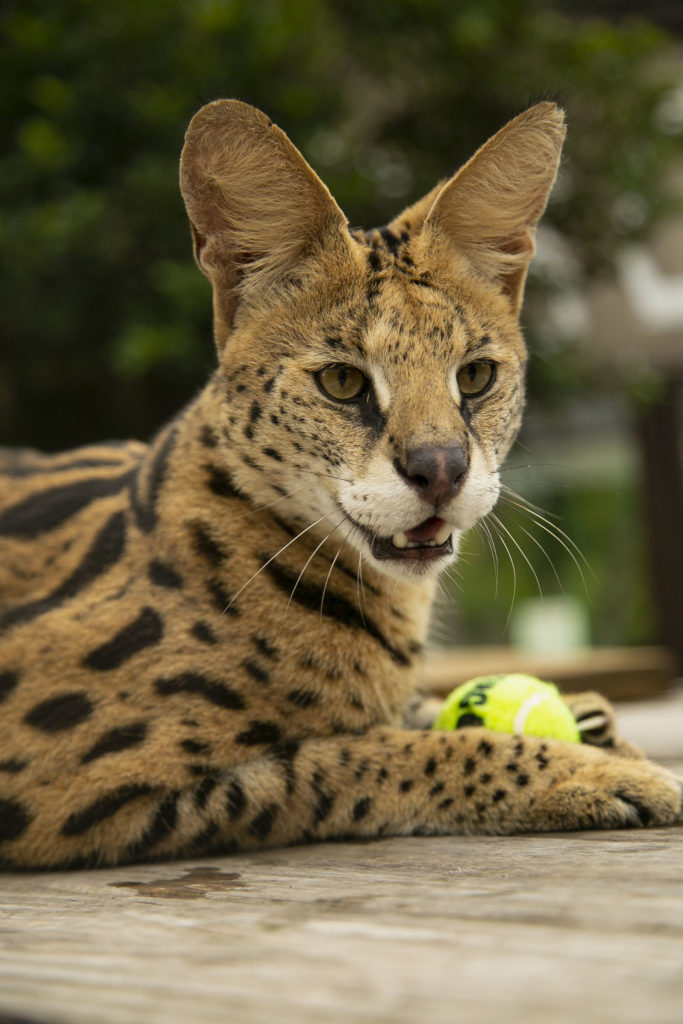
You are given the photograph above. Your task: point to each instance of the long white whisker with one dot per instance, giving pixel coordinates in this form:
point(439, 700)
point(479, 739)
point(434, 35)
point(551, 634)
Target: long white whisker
point(522, 552)
point(327, 580)
point(538, 544)
point(561, 538)
point(273, 557)
point(494, 552)
point(359, 584)
point(514, 571)
point(308, 562)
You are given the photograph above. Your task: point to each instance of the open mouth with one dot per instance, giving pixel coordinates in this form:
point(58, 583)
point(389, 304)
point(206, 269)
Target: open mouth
point(431, 539)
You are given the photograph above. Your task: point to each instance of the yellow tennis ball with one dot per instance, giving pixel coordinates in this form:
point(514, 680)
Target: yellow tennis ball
point(513, 703)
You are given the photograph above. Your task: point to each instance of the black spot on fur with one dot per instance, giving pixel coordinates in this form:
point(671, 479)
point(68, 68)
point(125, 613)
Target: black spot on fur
point(323, 807)
point(104, 552)
point(221, 599)
point(207, 437)
point(445, 804)
point(163, 575)
point(260, 732)
point(436, 789)
point(145, 631)
point(214, 692)
point(430, 766)
point(272, 454)
point(104, 807)
point(256, 672)
point(115, 740)
point(206, 546)
point(14, 820)
point(391, 241)
point(162, 826)
point(236, 800)
point(262, 825)
point(255, 411)
point(499, 795)
point(8, 681)
point(361, 808)
point(302, 698)
point(195, 746)
point(48, 509)
point(145, 508)
point(469, 766)
point(406, 785)
point(469, 789)
point(219, 483)
point(60, 713)
point(374, 261)
point(266, 647)
point(485, 748)
point(12, 766)
point(204, 791)
point(202, 632)
point(522, 779)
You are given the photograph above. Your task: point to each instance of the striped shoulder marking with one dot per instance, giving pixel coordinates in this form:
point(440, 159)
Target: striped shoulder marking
point(103, 553)
point(48, 509)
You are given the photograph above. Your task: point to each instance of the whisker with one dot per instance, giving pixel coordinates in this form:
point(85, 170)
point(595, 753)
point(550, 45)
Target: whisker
point(494, 552)
point(307, 563)
point(538, 544)
point(561, 538)
point(273, 557)
point(359, 587)
point(327, 580)
point(512, 566)
point(522, 552)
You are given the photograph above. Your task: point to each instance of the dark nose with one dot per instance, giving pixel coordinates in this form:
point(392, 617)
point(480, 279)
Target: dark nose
point(437, 473)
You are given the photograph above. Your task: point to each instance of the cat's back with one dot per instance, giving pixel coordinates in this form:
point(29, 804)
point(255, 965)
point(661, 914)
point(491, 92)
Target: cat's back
point(50, 502)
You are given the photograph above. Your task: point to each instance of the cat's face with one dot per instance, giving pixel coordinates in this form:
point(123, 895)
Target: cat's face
point(333, 388)
point(370, 384)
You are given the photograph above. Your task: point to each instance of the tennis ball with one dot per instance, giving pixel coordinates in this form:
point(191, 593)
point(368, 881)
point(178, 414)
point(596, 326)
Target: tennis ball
point(512, 703)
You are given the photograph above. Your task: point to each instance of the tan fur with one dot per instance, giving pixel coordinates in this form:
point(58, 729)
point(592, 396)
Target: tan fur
point(199, 649)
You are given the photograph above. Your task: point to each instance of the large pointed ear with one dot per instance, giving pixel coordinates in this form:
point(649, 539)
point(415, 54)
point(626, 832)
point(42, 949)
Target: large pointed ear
point(490, 209)
point(255, 206)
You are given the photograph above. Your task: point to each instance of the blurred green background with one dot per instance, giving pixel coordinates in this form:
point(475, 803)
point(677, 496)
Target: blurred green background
point(105, 322)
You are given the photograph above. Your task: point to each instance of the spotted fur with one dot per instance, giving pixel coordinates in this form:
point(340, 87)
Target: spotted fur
point(208, 643)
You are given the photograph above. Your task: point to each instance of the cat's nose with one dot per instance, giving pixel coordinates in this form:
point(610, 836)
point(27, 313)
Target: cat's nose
point(437, 473)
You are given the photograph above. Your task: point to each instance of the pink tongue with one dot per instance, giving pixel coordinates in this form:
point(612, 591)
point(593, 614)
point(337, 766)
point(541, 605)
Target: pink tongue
point(425, 531)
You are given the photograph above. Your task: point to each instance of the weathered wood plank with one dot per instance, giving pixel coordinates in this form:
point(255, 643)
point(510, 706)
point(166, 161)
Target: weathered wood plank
point(400, 930)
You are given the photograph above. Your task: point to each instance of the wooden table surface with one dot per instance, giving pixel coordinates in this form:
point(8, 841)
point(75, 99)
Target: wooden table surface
point(581, 927)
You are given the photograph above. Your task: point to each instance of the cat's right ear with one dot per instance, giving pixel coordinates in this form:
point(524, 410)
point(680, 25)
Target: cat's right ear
point(256, 208)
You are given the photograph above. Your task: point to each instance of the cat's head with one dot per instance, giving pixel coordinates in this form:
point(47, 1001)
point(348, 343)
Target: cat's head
point(373, 381)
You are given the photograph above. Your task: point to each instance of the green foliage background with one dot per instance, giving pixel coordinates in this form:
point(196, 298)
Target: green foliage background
point(104, 320)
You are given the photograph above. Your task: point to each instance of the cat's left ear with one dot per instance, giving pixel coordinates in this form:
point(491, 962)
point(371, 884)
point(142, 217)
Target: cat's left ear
point(489, 210)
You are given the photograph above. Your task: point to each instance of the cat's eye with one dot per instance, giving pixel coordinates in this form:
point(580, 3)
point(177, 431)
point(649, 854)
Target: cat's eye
point(475, 378)
point(341, 382)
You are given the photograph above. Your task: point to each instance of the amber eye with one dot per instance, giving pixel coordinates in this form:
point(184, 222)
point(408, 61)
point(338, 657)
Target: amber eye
point(341, 382)
point(476, 377)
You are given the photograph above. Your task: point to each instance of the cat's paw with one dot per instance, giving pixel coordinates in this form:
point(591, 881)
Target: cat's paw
point(597, 722)
point(606, 792)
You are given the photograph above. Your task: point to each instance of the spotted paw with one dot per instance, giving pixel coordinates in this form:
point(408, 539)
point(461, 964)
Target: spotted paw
point(610, 792)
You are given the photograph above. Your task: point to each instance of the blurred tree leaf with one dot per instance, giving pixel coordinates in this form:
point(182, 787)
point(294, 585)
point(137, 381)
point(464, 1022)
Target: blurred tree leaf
point(105, 323)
